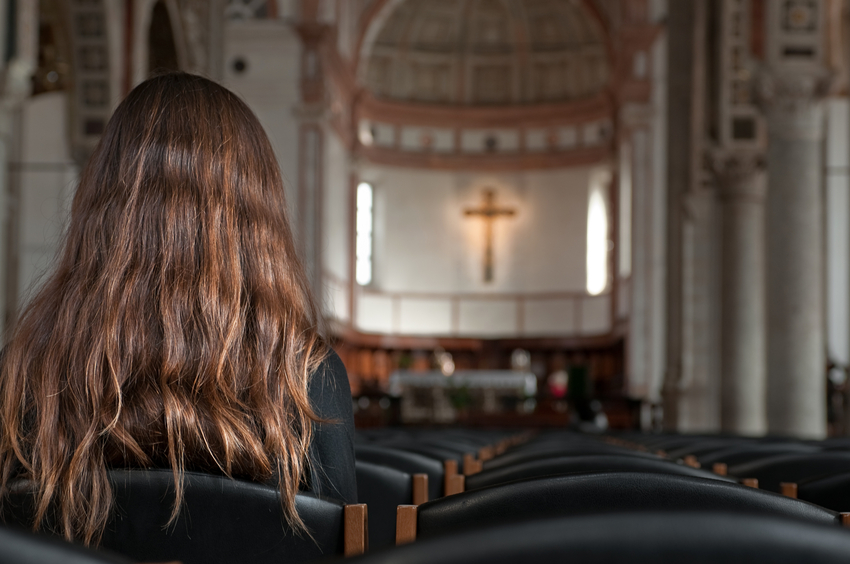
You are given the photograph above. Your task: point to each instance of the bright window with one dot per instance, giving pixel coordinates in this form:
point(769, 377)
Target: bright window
point(363, 245)
point(597, 237)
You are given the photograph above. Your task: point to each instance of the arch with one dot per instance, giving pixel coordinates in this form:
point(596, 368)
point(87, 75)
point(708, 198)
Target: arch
point(161, 49)
point(144, 17)
point(581, 17)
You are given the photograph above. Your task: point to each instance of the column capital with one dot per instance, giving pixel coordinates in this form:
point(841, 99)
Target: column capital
point(792, 101)
point(738, 173)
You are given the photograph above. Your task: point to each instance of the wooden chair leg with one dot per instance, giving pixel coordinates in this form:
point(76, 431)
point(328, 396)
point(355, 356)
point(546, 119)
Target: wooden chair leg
point(720, 468)
point(751, 482)
point(405, 524)
point(420, 489)
point(789, 489)
point(845, 519)
point(355, 529)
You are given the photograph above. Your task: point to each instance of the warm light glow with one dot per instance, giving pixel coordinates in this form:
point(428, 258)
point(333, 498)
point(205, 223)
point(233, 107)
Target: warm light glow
point(597, 240)
point(363, 243)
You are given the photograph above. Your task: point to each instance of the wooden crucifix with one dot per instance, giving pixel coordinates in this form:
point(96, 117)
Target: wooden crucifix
point(489, 212)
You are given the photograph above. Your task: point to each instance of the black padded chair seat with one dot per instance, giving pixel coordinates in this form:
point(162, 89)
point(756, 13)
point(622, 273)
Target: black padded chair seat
point(583, 464)
point(21, 547)
point(382, 489)
point(406, 461)
point(222, 521)
point(771, 471)
point(604, 492)
point(636, 538)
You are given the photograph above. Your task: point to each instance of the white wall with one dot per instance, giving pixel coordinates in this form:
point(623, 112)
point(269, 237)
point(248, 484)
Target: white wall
point(425, 243)
point(46, 178)
point(428, 255)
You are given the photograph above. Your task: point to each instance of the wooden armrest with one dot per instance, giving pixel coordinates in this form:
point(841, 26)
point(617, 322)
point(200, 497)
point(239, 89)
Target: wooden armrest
point(405, 524)
point(420, 489)
point(789, 489)
point(455, 484)
point(355, 529)
point(692, 461)
point(449, 470)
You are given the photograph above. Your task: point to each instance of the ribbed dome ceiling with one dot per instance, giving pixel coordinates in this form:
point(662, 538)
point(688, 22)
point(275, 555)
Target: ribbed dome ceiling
point(486, 52)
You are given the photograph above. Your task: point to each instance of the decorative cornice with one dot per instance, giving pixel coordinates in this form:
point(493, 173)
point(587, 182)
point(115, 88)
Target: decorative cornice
point(475, 117)
point(352, 337)
point(486, 161)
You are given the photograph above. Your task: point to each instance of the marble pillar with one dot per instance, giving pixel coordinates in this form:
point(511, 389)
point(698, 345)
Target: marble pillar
point(795, 263)
point(743, 370)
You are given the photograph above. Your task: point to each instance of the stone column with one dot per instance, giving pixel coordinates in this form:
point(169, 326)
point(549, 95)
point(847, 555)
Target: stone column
point(742, 317)
point(795, 265)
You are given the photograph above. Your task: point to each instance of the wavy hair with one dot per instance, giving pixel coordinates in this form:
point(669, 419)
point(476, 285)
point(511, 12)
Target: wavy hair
point(177, 330)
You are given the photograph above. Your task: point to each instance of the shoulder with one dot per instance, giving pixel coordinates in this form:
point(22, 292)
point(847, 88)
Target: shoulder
point(329, 383)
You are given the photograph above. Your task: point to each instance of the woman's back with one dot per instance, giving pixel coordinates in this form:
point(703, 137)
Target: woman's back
point(178, 329)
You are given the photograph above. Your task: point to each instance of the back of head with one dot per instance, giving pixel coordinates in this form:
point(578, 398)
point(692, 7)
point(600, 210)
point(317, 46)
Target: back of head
point(177, 329)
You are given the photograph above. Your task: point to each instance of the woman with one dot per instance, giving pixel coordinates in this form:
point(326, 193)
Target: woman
point(178, 330)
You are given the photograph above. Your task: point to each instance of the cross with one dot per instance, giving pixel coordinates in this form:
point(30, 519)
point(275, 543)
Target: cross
point(489, 212)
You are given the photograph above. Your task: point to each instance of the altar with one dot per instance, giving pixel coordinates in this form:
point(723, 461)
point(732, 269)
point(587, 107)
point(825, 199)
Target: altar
point(432, 397)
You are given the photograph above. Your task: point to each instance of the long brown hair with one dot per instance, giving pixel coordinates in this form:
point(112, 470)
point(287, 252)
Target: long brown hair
point(177, 330)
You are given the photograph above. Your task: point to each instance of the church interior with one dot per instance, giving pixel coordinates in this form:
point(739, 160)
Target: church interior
point(534, 227)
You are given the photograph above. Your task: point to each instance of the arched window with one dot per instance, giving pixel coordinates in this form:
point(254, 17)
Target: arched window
point(597, 235)
point(162, 51)
point(363, 244)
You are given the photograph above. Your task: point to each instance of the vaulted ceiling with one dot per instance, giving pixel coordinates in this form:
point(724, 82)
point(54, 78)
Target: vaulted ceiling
point(486, 52)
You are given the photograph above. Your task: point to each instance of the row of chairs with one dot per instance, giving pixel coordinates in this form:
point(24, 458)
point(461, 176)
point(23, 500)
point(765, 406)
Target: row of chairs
point(573, 479)
point(814, 471)
point(495, 496)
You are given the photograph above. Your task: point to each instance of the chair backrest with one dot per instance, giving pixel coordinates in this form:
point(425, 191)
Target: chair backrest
point(410, 462)
point(23, 547)
point(832, 492)
point(221, 521)
point(548, 451)
point(742, 454)
point(636, 538)
point(436, 452)
point(583, 494)
point(774, 470)
point(382, 489)
point(583, 464)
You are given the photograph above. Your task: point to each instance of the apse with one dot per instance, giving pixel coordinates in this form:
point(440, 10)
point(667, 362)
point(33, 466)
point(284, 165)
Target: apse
point(483, 132)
